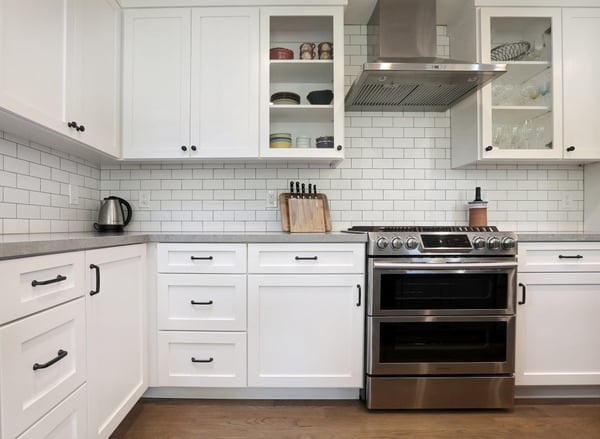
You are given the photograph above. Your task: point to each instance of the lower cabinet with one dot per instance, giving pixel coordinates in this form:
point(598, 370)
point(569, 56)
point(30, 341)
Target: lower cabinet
point(558, 329)
point(116, 335)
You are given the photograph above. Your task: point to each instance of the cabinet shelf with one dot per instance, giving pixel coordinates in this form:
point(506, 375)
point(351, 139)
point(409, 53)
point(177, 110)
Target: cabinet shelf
point(302, 113)
point(518, 72)
point(290, 71)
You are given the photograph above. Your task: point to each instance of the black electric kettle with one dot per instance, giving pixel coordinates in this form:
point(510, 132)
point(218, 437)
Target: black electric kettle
point(112, 217)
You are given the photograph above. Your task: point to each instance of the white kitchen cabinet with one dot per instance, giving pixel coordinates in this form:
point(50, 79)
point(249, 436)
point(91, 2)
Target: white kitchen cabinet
point(190, 83)
point(581, 88)
point(201, 315)
point(116, 335)
point(59, 67)
point(305, 330)
point(43, 361)
point(558, 330)
point(288, 27)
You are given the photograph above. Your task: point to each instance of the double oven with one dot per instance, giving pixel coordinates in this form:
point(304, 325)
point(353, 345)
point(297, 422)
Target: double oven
point(440, 319)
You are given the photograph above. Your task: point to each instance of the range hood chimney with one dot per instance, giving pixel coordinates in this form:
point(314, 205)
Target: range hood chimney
point(402, 72)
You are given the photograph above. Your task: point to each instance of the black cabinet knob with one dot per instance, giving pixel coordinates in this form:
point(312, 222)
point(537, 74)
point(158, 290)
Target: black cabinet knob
point(339, 147)
point(80, 128)
point(194, 148)
point(489, 148)
point(74, 124)
point(183, 148)
point(571, 148)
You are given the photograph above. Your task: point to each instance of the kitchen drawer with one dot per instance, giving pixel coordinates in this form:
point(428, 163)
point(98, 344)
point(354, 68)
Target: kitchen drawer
point(559, 256)
point(210, 302)
point(306, 258)
point(201, 258)
point(220, 359)
point(55, 340)
point(68, 420)
point(33, 284)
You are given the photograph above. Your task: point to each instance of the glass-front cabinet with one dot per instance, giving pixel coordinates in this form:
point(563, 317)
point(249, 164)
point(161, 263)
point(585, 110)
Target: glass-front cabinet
point(521, 112)
point(302, 95)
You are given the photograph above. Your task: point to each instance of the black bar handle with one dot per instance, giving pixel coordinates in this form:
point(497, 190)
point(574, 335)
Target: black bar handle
point(195, 360)
point(570, 257)
point(571, 148)
point(193, 302)
point(307, 258)
point(524, 296)
point(201, 258)
point(59, 278)
point(359, 294)
point(97, 290)
point(60, 355)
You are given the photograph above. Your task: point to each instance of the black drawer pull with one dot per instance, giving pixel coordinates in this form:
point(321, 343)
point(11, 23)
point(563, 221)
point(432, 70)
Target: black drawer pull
point(201, 258)
point(60, 355)
point(59, 278)
point(195, 360)
point(524, 296)
point(97, 290)
point(570, 257)
point(359, 294)
point(307, 258)
point(193, 302)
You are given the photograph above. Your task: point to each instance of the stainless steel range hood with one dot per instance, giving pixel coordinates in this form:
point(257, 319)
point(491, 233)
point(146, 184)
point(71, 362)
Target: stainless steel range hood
point(402, 72)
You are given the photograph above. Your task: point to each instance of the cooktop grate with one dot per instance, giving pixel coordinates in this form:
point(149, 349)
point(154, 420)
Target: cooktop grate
point(423, 229)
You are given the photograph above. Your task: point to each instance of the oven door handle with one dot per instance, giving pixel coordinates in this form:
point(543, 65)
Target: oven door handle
point(437, 266)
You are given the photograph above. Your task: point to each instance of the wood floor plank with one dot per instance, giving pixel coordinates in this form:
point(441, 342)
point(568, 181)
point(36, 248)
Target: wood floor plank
point(233, 419)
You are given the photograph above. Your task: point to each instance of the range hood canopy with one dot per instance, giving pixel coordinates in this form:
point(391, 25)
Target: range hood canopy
point(402, 72)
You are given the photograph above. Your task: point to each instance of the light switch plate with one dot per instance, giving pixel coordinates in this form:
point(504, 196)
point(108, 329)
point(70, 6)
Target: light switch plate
point(144, 202)
point(271, 200)
point(73, 194)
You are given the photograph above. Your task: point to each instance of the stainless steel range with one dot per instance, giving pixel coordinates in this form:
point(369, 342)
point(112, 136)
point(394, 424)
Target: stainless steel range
point(440, 317)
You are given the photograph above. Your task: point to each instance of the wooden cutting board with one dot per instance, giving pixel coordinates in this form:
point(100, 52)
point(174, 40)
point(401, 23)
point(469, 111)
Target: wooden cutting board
point(304, 214)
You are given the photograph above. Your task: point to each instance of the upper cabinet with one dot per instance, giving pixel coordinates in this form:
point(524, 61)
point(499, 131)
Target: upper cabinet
point(302, 52)
point(190, 83)
point(532, 113)
point(59, 67)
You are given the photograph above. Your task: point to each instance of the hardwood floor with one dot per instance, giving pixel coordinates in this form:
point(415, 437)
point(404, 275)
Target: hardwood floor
point(231, 419)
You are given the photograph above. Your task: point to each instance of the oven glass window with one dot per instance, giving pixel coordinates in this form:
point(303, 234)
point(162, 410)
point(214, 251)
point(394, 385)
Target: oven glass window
point(405, 291)
point(432, 342)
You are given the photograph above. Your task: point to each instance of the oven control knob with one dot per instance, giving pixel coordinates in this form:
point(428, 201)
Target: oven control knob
point(382, 243)
point(478, 243)
point(494, 243)
point(508, 243)
point(396, 243)
point(412, 243)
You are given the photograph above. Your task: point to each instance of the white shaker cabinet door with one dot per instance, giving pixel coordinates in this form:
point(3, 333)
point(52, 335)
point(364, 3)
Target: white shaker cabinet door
point(156, 83)
point(38, 59)
point(116, 335)
point(225, 55)
point(581, 31)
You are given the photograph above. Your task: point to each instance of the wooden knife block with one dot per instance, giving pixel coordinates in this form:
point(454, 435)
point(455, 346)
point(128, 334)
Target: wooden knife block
point(304, 214)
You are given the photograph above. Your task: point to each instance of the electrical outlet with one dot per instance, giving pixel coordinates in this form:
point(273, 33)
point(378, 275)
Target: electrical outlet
point(271, 199)
point(567, 201)
point(144, 202)
point(73, 194)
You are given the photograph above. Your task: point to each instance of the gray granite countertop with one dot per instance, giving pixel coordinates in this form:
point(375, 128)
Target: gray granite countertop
point(558, 236)
point(16, 246)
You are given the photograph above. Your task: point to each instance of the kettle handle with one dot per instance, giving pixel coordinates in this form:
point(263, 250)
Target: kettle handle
point(128, 206)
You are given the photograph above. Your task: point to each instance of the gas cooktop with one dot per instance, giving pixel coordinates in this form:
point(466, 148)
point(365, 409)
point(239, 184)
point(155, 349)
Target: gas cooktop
point(437, 240)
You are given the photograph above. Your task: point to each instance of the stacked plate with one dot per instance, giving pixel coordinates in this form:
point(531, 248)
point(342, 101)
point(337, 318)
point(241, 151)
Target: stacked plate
point(325, 142)
point(281, 53)
point(280, 140)
point(285, 98)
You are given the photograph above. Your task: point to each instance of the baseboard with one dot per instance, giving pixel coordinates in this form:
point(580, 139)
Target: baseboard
point(251, 393)
point(556, 393)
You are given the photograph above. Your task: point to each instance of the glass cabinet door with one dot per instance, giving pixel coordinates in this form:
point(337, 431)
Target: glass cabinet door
point(521, 110)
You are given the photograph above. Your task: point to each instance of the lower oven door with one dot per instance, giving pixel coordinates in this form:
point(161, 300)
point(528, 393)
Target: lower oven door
point(440, 345)
point(441, 286)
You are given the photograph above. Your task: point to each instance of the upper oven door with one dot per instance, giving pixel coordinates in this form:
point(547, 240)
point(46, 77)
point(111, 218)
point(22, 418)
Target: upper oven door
point(441, 286)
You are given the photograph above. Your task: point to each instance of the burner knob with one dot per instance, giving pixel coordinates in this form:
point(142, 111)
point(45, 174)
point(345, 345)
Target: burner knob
point(382, 243)
point(396, 243)
point(412, 243)
point(508, 243)
point(494, 243)
point(478, 243)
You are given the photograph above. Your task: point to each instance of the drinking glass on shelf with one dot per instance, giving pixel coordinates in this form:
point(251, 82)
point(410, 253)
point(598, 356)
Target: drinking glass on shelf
point(525, 134)
point(538, 138)
point(530, 93)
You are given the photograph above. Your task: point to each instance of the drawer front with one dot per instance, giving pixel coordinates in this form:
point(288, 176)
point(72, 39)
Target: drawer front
point(202, 359)
point(306, 258)
point(559, 256)
point(43, 361)
point(32, 284)
point(68, 420)
point(201, 258)
point(202, 302)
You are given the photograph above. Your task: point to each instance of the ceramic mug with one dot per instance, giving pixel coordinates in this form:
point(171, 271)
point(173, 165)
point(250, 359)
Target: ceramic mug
point(325, 46)
point(307, 46)
point(307, 54)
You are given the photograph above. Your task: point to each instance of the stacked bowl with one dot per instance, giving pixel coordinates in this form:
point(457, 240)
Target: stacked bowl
point(285, 98)
point(280, 140)
point(325, 142)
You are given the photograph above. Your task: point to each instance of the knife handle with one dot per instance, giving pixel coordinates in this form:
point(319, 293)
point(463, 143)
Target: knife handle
point(303, 190)
point(297, 187)
point(291, 187)
point(309, 190)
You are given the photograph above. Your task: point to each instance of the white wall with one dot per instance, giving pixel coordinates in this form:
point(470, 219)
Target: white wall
point(397, 171)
